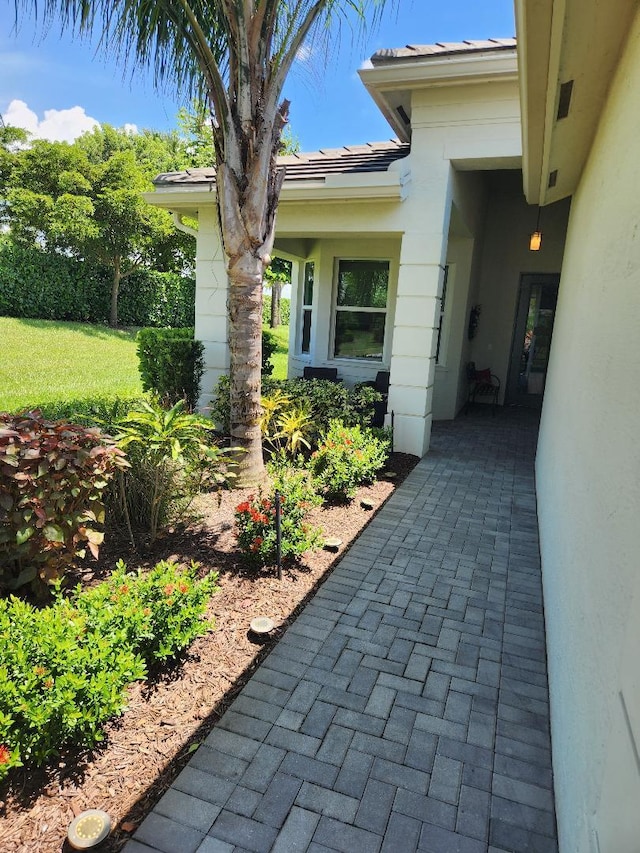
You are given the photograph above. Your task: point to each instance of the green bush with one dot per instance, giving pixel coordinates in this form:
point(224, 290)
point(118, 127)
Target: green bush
point(269, 346)
point(171, 461)
point(47, 286)
point(102, 412)
point(171, 364)
point(286, 426)
point(52, 476)
point(346, 458)
point(324, 401)
point(65, 668)
point(256, 520)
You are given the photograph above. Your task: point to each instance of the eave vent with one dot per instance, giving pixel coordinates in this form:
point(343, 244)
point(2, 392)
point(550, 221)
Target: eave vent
point(403, 114)
point(564, 100)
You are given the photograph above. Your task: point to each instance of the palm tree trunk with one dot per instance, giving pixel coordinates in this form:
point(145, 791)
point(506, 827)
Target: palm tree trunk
point(245, 344)
point(247, 208)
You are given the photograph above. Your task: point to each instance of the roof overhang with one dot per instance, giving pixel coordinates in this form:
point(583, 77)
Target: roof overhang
point(568, 53)
point(373, 186)
point(391, 83)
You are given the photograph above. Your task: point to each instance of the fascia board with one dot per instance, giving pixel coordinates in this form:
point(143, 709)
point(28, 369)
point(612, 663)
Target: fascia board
point(533, 28)
point(450, 70)
point(374, 185)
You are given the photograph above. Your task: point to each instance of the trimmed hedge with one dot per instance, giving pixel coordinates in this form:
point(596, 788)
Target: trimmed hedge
point(45, 286)
point(171, 364)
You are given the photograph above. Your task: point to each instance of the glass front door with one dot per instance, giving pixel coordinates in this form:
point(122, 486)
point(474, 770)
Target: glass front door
point(532, 339)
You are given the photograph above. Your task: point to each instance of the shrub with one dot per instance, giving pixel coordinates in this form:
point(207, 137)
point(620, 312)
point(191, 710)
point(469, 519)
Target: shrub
point(157, 613)
point(256, 520)
point(65, 667)
point(287, 427)
point(324, 400)
point(102, 412)
point(48, 286)
point(269, 346)
point(52, 475)
point(171, 364)
point(347, 457)
point(170, 461)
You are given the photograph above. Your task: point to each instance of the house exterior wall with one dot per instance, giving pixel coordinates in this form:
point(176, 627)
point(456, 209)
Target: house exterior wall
point(211, 325)
point(588, 484)
point(463, 253)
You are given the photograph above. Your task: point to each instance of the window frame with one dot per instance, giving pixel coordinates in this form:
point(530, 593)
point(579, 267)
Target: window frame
point(304, 307)
point(335, 309)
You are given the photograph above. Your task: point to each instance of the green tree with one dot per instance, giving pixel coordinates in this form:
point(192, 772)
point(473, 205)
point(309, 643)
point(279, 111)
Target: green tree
point(11, 140)
point(237, 55)
point(85, 200)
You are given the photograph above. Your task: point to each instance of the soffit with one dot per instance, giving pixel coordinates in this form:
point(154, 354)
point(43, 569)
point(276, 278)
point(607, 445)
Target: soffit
point(390, 76)
point(562, 41)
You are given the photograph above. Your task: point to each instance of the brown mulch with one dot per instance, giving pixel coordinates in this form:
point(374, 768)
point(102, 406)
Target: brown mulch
point(171, 713)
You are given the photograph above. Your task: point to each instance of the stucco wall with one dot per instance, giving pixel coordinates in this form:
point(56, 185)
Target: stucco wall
point(588, 479)
point(463, 253)
point(505, 256)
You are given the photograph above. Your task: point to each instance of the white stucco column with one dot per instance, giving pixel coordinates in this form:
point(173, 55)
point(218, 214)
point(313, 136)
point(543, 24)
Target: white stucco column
point(211, 303)
point(420, 279)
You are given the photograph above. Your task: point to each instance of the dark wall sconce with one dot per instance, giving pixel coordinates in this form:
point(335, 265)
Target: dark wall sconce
point(474, 316)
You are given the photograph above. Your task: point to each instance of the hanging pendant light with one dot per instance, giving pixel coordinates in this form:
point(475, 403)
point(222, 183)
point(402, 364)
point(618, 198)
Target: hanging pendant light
point(535, 239)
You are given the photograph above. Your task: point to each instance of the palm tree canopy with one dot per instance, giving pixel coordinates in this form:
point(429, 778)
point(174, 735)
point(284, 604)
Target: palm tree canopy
point(236, 52)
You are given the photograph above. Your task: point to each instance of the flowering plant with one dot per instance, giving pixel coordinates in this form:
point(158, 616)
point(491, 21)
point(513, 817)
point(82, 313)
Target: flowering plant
point(64, 668)
point(256, 521)
point(347, 457)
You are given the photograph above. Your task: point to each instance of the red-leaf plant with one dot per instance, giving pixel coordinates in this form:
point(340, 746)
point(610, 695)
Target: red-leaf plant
point(52, 476)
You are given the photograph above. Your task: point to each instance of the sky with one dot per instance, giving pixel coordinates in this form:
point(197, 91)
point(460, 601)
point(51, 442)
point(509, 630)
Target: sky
point(57, 86)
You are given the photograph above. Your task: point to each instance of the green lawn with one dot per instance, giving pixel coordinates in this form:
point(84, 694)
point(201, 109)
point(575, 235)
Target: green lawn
point(43, 361)
point(280, 357)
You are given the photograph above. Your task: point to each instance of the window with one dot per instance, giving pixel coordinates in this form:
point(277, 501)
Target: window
point(443, 300)
point(361, 309)
point(307, 303)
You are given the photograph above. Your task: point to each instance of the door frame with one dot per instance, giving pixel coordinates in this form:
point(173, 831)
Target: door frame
point(527, 281)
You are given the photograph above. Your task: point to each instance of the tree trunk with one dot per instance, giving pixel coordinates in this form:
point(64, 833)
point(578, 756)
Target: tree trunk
point(276, 293)
point(115, 287)
point(245, 344)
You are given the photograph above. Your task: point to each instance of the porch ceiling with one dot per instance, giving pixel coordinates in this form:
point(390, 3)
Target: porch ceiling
point(561, 41)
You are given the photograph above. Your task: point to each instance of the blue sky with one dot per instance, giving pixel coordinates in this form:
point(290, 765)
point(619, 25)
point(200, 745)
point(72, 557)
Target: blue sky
point(329, 105)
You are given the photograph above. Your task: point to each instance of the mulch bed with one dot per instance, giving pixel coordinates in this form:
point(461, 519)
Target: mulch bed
point(173, 711)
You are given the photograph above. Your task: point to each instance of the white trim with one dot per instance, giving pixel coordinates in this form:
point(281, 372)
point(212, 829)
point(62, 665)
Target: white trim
point(369, 310)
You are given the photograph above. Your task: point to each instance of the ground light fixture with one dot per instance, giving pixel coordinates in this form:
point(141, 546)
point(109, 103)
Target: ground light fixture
point(262, 625)
point(88, 829)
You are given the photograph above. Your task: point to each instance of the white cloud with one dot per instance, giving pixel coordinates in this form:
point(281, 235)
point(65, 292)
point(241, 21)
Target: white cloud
point(57, 125)
point(304, 53)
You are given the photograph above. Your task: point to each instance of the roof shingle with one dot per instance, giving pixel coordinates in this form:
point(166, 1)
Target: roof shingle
point(422, 51)
point(314, 166)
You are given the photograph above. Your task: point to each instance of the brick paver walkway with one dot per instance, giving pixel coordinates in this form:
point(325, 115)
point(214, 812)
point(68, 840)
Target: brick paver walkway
point(407, 707)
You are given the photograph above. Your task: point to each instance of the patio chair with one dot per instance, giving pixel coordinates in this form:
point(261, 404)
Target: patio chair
point(483, 384)
point(381, 384)
point(328, 373)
